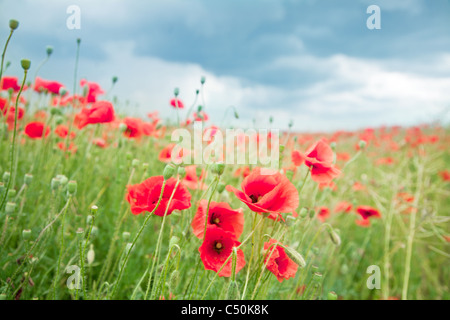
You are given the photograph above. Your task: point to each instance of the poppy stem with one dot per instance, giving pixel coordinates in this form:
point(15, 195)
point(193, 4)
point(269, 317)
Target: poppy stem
point(251, 257)
point(4, 53)
point(13, 143)
point(158, 244)
point(216, 180)
point(127, 256)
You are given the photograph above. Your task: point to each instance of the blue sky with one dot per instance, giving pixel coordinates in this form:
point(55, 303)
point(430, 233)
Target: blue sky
point(310, 61)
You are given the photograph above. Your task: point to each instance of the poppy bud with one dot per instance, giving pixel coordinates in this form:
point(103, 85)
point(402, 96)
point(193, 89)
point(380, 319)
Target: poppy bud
point(332, 295)
point(94, 232)
point(114, 79)
point(220, 187)
point(202, 80)
point(8, 63)
point(13, 24)
point(125, 236)
point(281, 148)
point(295, 256)
point(218, 168)
point(182, 172)
point(176, 92)
point(233, 291)
point(62, 179)
point(317, 277)
point(169, 171)
point(291, 123)
point(55, 112)
point(11, 194)
point(334, 236)
point(311, 213)
point(173, 281)
point(290, 220)
point(72, 187)
point(198, 171)
point(49, 50)
point(333, 146)
point(25, 64)
point(271, 120)
point(62, 91)
point(80, 234)
point(362, 144)
point(78, 40)
point(135, 163)
point(89, 219)
point(122, 127)
point(6, 176)
point(91, 255)
point(173, 241)
point(303, 212)
point(26, 234)
point(55, 184)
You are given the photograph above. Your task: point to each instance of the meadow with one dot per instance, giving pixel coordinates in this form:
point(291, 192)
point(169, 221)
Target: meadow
point(92, 205)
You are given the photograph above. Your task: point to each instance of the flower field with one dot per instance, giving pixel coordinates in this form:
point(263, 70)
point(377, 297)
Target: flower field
point(95, 204)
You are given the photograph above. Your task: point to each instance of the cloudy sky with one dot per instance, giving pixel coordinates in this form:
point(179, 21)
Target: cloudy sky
point(311, 61)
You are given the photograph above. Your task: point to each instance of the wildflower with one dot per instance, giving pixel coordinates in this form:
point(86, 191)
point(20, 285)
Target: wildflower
point(278, 261)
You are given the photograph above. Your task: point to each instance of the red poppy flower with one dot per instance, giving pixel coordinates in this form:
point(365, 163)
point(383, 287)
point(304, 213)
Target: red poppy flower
point(242, 172)
point(166, 154)
point(10, 116)
point(94, 90)
point(278, 261)
point(134, 128)
point(144, 196)
point(221, 215)
point(270, 193)
point(41, 85)
point(191, 180)
point(99, 142)
point(201, 116)
point(343, 206)
point(319, 158)
point(35, 130)
point(367, 212)
point(10, 83)
point(63, 146)
point(176, 103)
point(445, 175)
point(216, 248)
point(323, 213)
point(62, 131)
point(100, 112)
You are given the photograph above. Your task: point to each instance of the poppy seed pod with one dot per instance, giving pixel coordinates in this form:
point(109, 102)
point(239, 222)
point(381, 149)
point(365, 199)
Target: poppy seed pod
point(26, 234)
point(169, 171)
point(317, 277)
point(62, 91)
point(62, 179)
point(10, 208)
point(6, 176)
point(13, 24)
point(80, 234)
point(25, 64)
point(28, 179)
point(11, 194)
point(94, 210)
point(89, 219)
point(135, 163)
point(218, 168)
point(125, 236)
point(72, 187)
point(55, 184)
point(290, 221)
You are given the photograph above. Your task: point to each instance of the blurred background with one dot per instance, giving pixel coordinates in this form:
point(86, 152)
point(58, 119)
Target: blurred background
point(314, 62)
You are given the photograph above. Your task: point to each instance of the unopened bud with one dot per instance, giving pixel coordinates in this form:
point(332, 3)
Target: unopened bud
point(218, 168)
point(233, 291)
point(72, 187)
point(173, 241)
point(303, 212)
point(169, 171)
point(362, 144)
point(49, 50)
point(91, 255)
point(290, 220)
point(182, 172)
point(202, 80)
point(295, 256)
point(28, 179)
point(13, 24)
point(10, 208)
point(25, 64)
point(114, 79)
point(6, 176)
point(220, 187)
point(173, 281)
point(176, 92)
